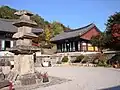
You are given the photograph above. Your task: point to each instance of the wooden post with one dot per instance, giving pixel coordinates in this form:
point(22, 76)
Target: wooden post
point(80, 46)
point(86, 46)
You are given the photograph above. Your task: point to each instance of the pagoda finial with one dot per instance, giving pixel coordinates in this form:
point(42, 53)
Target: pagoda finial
point(24, 14)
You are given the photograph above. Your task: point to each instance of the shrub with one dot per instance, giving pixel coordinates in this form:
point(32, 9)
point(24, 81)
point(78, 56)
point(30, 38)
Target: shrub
point(85, 59)
point(78, 59)
point(100, 59)
point(65, 59)
point(102, 63)
point(59, 62)
point(96, 56)
point(115, 60)
point(95, 61)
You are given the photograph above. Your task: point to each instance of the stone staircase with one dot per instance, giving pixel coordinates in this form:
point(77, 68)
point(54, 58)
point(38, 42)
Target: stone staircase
point(12, 76)
point(3, 82)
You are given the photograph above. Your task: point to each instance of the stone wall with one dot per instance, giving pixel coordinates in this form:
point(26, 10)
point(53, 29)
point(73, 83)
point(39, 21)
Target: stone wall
point(4, 60)
point(52, 59)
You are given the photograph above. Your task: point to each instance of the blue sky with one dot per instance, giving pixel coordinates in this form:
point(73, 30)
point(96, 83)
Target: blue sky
point(72, 13)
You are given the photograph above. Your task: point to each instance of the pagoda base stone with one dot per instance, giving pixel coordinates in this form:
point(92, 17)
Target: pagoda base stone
point(24, 64)
point(28, 79)
point(24, 67)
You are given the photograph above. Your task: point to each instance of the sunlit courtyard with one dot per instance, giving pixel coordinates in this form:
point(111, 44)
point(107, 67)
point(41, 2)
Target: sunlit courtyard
point(84, 78)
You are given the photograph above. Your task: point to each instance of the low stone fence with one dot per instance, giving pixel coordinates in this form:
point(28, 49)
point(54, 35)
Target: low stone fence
point(84, 65)
point(5, 60)
point(52, 59)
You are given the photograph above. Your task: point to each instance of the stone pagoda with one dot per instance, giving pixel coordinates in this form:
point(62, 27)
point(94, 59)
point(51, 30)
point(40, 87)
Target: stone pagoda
point(23, 58)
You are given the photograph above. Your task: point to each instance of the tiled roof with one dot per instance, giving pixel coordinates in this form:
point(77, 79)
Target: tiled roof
point(73, 33)
point(7, 26)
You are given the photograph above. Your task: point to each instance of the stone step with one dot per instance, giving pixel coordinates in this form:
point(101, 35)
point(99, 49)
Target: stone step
point(2, 76)
point(28, 79)
point(12, 76)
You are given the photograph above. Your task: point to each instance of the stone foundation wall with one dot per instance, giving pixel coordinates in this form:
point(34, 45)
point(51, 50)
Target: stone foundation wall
point(4, 60)
point(52, 58)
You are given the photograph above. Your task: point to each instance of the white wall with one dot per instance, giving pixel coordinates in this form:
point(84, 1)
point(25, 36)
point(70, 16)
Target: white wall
point(3, 44)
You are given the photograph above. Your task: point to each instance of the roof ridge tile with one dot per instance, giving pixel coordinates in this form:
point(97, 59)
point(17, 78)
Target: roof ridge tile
point(91, 24)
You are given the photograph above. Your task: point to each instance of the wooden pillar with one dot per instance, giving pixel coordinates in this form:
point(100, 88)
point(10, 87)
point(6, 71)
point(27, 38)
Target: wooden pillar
point(94, 48)
point(14, 43)
point(76, 46)
point(80, 46)
point(86, 46)
point(70, 46)
point(65, 49)
point(61, 47)
point(73, 46)
point(0, 45)
point(57, 47)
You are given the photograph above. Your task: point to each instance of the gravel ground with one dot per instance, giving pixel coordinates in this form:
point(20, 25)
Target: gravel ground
point(52, 81)
point(84, 78)
point(77, 78)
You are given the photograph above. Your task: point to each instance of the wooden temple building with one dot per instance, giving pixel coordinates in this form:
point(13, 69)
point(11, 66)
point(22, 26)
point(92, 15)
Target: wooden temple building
point(77, 40)
point(7, 29)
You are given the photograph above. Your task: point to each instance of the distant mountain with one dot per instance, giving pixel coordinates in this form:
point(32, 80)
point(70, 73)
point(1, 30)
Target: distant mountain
point(7, 12)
